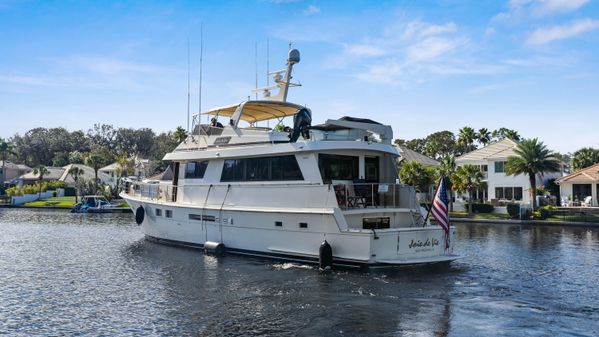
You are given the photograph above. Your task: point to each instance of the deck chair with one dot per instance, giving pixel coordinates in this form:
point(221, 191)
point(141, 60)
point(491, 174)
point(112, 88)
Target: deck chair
point(587, 202)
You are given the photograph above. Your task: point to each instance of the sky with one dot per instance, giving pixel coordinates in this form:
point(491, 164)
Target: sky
point(419, 66)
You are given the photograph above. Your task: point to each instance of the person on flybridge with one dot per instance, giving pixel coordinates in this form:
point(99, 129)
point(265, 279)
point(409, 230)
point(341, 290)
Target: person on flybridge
point(215, 123)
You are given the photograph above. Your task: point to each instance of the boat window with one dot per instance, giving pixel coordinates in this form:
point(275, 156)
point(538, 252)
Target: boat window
point(158, 212)
point(195, 169)
point(336, 167)
point(262, 169)
point(168, 213)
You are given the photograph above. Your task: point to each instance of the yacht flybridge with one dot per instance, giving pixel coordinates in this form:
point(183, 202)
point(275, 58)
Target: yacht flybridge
point(325, 193)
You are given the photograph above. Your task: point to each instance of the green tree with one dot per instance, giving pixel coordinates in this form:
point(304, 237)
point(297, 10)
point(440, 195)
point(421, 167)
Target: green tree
point(503, 133)
point(95, 161)
point(585, 157)
point(483, 136)
point(40, 171)
point(180, 134)
point(532, 158)
point(76, 157)
point(447, 169)
point(415, 174)
point(466, 138)
point(76, 173)
point(468, 178)
point(6, 149)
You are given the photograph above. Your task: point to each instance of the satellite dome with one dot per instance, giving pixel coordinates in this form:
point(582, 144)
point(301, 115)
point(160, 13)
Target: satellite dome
point(294, 56)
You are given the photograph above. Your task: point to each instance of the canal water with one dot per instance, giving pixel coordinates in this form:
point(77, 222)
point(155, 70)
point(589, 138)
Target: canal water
point(94, 274)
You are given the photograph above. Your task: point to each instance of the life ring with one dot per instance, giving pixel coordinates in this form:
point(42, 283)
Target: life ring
point(139, 215)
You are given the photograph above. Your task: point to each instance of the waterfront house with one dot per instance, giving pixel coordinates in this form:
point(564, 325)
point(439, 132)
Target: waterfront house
point(141, 169)
point(29, 178)
point(576, 187)
point(88, 175)
point(500, 188)
point(8, 171)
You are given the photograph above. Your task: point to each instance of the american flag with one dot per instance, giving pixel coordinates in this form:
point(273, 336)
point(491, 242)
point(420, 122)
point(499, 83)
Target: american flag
point(440, 209)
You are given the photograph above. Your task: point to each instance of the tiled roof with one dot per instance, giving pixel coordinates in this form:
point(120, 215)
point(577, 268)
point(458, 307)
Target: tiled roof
point(495, 151)
point(9, 165)
point(55, 173)
point(409, 155)
point(587, 174)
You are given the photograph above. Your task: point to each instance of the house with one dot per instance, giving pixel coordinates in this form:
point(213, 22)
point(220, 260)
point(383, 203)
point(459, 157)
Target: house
point(29, 178)
point(500, 187)
point(88, 175)
point(580, 184)
point(407, 155)
point(141, 169)
point(8, 171)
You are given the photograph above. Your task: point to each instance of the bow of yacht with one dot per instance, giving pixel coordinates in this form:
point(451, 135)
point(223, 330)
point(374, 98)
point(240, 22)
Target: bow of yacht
point(311, 193)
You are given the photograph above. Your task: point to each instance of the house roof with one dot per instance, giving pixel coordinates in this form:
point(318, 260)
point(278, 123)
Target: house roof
point(55, 174)
point(139, 162)
point(588, 174)
point(9, 165)
point(409, 155)
point(495, 151)
point(88, 174)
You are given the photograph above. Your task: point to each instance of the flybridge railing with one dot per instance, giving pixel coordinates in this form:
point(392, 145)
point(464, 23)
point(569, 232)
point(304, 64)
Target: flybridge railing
point(348, 195)
point(352, 195)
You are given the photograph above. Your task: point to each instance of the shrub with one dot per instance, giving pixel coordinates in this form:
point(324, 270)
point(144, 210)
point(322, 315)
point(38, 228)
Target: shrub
point(481, 208)
point(513, 210)
point(70, 192)
point(546, 211)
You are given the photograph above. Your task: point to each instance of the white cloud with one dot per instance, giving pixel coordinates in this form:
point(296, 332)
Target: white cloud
point(311, 10)
point(365, 49)
point(548, 34)
point(432, 48)
point(546, 7)
point(107, 65)
point(521, 9)
point(417, 29)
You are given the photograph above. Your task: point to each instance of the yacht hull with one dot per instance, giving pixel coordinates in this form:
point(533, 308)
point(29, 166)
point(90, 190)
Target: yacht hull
point(291, 236)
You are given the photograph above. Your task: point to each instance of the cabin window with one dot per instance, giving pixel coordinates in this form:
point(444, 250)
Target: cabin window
point(158, 212)
point(336, 167)
point(262, 169)
point(168, 213)
point(195, 169)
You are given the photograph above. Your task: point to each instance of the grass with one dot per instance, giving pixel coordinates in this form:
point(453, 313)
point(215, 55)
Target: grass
point(66, 202)
point(479, 215)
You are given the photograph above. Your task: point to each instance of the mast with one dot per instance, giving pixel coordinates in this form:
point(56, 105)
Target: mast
point(201, 55)
point(188, 83)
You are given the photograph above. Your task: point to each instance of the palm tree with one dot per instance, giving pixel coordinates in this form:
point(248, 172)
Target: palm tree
point(466, 138)
point(75, 173)
point(532, 158)
point(6, 149)
point(96, 161)
point(40, 171)
point(447, 169)
point(180, 134)
point(468, 178)
point(484, 136)
point(415, 174)
point(585, 157)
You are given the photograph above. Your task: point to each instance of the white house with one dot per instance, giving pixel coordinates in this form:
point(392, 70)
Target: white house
point(500, 187)
point(579, 185)
point(141, 168)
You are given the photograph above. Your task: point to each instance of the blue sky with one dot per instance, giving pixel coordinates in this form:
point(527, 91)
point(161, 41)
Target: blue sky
point(420, 66)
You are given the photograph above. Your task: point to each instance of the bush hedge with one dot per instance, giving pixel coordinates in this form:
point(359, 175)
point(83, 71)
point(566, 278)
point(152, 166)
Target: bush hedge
point(481, 208)
point(513, 210)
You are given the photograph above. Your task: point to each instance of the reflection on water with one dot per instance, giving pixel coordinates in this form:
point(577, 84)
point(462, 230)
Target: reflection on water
point(92, 274)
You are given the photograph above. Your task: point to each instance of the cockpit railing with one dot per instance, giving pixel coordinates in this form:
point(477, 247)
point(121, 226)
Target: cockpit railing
point(352, 195)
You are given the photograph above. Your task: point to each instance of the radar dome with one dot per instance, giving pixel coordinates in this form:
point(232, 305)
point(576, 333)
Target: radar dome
point(294, 56)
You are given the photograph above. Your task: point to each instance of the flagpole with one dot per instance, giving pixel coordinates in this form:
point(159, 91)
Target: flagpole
point(430, 208)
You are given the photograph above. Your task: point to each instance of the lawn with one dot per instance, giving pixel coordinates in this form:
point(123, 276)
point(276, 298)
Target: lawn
point(53, 202)
point(494, 216)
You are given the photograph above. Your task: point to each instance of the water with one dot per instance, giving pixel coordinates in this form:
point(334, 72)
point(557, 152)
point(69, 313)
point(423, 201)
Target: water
point(94, 274)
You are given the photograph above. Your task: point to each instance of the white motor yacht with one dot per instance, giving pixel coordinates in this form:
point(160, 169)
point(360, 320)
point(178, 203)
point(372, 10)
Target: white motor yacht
point(325, 193)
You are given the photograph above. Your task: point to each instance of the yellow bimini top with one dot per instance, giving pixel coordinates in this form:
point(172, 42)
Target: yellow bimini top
point(255, 111)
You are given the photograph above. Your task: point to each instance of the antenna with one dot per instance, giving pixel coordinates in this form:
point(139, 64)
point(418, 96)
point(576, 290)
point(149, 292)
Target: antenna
point(188, 84)
point(267, 61)
point(256, 66)
point(201, 55)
